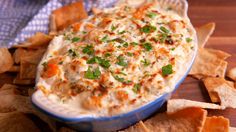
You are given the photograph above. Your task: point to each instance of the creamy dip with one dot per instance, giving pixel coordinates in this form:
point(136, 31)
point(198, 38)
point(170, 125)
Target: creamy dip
point(117, 60)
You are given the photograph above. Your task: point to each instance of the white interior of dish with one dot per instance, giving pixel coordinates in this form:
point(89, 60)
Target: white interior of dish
point(58, 108)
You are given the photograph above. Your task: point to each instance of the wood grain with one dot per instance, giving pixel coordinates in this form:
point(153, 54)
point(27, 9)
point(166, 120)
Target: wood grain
point(223, 13)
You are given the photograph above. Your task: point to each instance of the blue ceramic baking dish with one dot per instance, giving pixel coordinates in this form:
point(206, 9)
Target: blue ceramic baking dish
point(113, 123)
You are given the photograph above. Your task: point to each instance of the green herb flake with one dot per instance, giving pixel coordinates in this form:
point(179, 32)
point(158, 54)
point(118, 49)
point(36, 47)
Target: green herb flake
point(121, 61)
point(84, 32)
point(104, 39)
point(122, 32)
point(189, 40)
point(152, 15)
point(125, 45)
point(134, 43)
point(102, 62)
point(145, 62)
point(136, 87)
point(107, 54)
point(147, 46)
point(130, 54)
point(172, 49)
point(163, 29)
point(89, 74)
point(148, 29)
point(60, 63)
point(113, 28)
point(73, 53)
point(166, 70)
point(88, 50)
point(75, 39)
point(45, 64)
point(120, 79)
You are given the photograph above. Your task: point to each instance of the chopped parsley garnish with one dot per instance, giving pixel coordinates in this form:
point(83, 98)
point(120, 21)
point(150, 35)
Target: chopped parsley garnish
point(119, 40)
point(84, 32)
point(113, 28)
point(75, 39)
point(147, 46)
point(122, 32)
point(89, 74)
point(60, 63)
point(136, 87)
point(189, 40)
point(121, 61)
point(130, 54)
point(45, 64)
point(125, 45)
point(145, 62)
point(104, 39)
point(152, 15)
point(163, 29)
point(102, 62)
point(88, 50)
point(166, 70)
point(148, 29)
point(172, 49)
point(73, 53)
point(107, 54)
point(121, 79)
point(134, 43)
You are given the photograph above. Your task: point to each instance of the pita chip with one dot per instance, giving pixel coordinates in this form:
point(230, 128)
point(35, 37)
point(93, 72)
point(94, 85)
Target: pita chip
point(16, 122)
point(9, 89)
point(186, 120)
point(138, 127)
point(227, 95)
point(6, 60)
point(213, 82)
point(216, 124)
point(232, 74)
point(67, 15)
point(204, 32)
point(14, 68)
point(36, 41)
point(209, 63)
point(174, 105)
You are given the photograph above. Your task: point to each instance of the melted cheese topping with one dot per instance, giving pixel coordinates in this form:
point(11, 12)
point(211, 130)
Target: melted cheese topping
point(117, 60)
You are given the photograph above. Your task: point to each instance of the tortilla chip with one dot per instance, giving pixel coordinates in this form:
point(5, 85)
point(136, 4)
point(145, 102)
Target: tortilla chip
point(31, 91)
point(204, 32)
point(232, 73)
point(211, 83)
point(18, 55)
point(216, 124)
point(174, 105)
point(138, 127)
point(19, 81)
point(14, 68)
point(209, 63)
point(16, 122)
point(33, 56)
point(227, 95)
point(27, 70)
point(36, 41)
point(6, 60)
point(67, 15)
point(186, 120)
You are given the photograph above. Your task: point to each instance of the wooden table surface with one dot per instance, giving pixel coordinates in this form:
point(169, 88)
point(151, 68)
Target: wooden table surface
point(223, 13)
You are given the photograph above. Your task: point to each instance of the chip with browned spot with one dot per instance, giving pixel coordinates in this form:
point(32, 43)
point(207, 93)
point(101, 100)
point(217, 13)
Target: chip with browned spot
point(27, 70)
point(36, 41)
point(14, 68)
point(186, 120)
point(211, 83)
point(6, 60)
point(216, 124)
point(67, 15)
point(209, 63)
point(178, 104)
point(204, 32)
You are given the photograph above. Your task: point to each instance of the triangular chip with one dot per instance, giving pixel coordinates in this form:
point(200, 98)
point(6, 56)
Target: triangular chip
point(67, 15)
point(138, 127)
point(36, 41)
point(204, 32)
point(232, 73)
point(14, 68)
point(186, 120)
point(227, 95)
point(209, 63)
point(27, 70)
point(6, 60)
point(16, 122)
point(216, 124)
point(178, 104)
point(213, 82)
point(8, 89)
point(18, 54)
